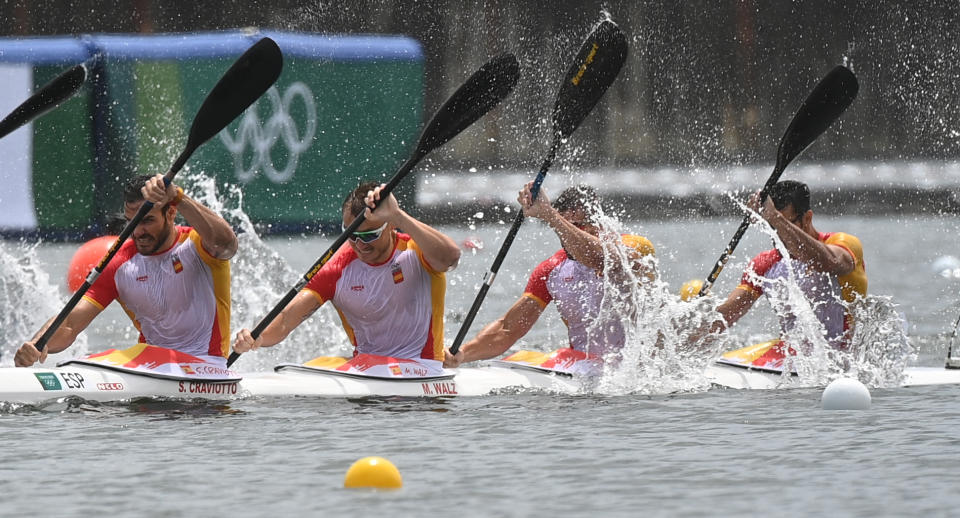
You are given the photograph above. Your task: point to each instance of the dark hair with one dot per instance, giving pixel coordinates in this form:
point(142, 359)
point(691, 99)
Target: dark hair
point(791, 192)
point(579, 197)
point(132, 190)
point(354, 200)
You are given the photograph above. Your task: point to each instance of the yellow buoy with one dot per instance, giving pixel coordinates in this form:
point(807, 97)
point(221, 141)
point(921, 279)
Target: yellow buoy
point(690, 289)
point(373, 472)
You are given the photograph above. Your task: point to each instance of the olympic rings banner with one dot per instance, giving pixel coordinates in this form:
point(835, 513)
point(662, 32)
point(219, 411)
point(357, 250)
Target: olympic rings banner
point(344, 108)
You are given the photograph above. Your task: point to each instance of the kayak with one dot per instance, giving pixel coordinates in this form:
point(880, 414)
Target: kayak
point(729, 376)
point(33, 385)
point(118, 374)
point(152, 372)
point(36, 385)
point(563, 371)
point(761, 367)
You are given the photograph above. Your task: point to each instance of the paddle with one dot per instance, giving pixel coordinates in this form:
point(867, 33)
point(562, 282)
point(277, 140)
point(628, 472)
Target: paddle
point(596, 66)
point(246, 80)
point(952, 363)
point(829, 99)
point(483, 90)
point(48, 97)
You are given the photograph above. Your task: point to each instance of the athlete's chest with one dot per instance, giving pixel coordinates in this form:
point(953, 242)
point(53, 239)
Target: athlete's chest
point(389, 282)
point(144, 277)
point(571, 280)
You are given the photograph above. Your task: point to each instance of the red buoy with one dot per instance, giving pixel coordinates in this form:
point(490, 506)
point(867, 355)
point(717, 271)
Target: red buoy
point(85, 258)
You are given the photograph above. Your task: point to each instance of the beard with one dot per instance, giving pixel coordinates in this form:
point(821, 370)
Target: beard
point(151, 246)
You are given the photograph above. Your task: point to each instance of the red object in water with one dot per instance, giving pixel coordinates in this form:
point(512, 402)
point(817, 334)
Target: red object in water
point(85, 258)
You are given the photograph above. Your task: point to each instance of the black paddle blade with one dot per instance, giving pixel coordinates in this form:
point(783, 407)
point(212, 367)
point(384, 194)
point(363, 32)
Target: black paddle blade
point(246, 80)
point(485, 89)
point(597, 64)
point(47, 98)
point(823, 106)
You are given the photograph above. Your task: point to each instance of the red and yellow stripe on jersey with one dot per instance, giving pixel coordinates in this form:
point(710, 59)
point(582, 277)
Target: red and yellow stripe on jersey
point(178, 298)
point(394, 308)
point(578, 292)
point(851, 284)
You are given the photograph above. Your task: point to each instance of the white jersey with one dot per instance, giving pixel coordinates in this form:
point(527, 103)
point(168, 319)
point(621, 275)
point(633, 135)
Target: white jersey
point(178, 298)
point(392, 309)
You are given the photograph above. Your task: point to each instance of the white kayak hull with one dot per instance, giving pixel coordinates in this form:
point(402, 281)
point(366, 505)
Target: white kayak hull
point(743, 378)
point(475, 381)
point(38, 385)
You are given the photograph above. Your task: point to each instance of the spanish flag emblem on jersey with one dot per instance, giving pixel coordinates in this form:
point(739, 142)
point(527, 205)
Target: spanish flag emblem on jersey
point(397, 273)
point(177, 265)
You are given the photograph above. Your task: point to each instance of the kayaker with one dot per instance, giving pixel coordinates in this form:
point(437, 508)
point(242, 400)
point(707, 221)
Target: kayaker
point(828, 266)
point(388, 286)
point(573, 278)
point(173, 281)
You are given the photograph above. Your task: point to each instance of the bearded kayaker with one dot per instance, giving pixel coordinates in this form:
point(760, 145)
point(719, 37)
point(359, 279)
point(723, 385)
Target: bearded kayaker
point(573, 278)
point(828, 266)
point(173, 281)
point(388, 286)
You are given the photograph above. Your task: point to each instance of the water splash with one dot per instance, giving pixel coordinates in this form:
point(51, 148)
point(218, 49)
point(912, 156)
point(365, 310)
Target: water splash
point(260, 278)
point(876, 353)
point(29, 299)
point(666, 348)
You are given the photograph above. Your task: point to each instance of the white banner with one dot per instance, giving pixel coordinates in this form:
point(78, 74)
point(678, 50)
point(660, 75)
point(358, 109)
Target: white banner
point(16, 152)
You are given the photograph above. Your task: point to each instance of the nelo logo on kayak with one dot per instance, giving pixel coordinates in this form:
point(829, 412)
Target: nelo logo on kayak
point(109, 386)
point(358, 287)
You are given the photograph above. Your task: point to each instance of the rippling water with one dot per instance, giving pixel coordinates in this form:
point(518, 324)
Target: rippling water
point(725, 453)
point(718, 452)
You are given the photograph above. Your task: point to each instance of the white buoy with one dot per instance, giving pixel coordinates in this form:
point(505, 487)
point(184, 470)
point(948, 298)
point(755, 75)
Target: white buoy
point(845, 394)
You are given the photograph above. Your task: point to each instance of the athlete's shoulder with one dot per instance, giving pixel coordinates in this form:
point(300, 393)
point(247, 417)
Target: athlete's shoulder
point(342, 257)
point(549, 264)
point(126, 251)
point(558, 257)
point(764, 261)
point(839, 238)
point(848, 241)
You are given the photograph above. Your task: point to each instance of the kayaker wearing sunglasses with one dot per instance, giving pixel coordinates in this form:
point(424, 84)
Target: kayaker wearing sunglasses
point(387, 286)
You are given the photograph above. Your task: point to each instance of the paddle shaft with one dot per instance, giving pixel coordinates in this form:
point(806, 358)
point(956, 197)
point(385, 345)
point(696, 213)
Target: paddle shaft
point(98, 269)
point(597, 64)
point(491, 275)
point(744, 225)
point(243, 83)
point(486, 88)
point(953, 336)
point(828, 100)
